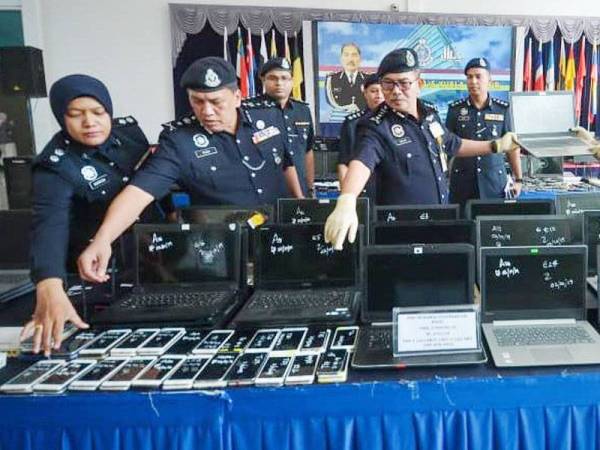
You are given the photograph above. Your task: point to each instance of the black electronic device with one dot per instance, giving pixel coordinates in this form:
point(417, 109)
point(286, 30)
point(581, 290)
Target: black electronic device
point(274, 371)
point(22, 71)
point(399, 213)
point(573, 205)
point(185, 374)
point(213, 374)
point(246, 369)
point(19, 182)
point(498, 207)
point(302, 369)
point(424, 232)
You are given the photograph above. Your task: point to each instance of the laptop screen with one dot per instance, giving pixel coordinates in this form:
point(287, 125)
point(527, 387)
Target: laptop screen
point(15, 236)
point(294, 256)
point(476, 208)
point(546, 113)
point(226, 214)
point(399, 276)
point(416, 212)
point(532, 282)
point(169, 255)
point(501, 231)
point(575, 204)
point(591, 238)
point(424, 232)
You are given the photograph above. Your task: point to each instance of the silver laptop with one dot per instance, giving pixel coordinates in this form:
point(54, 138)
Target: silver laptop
point(15, 229)
point(542, 121)
point(533, 304)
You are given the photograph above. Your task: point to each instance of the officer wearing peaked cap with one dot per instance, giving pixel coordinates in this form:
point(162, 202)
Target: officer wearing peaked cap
point(480, 117)
point(221, 155)
point(406, 146)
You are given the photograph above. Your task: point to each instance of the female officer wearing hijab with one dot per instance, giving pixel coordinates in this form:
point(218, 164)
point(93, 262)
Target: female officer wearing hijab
point(79, 172)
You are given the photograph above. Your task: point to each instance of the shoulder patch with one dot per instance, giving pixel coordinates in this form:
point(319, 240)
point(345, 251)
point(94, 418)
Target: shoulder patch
point(182, 122)
point(258, 102)
point(500, 102)
point(356, 115)
point(380, 114)
point(429, 105)
point(124, 121)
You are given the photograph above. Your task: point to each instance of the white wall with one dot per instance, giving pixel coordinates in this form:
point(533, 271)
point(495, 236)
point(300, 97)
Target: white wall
point(126, 43)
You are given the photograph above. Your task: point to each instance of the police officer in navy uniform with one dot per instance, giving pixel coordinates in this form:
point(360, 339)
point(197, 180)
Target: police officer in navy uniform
point(296, 121)
point(481, 117)
point(407, 147)
point(222, 155)
point(344, 88)
point(79, 172)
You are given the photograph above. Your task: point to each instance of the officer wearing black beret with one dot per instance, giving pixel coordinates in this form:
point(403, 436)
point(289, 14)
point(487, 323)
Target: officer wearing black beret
point(221, 154)
point(81, 169)
point(296, 121)
point(407, 147)
point(480, 117)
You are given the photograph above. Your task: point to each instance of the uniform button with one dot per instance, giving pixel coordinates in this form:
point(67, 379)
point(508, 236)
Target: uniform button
point(289, 128)
point(478, 113)
point(291, 152)
point(125, 179)
point(259, 190)
point(478, 170)
point(274, 150)
point(409, 155)
point(478, 135)
point(290, 140)
point(253, 175)
point(111, 163)
point(478, 124)
point(246, 158)
point(286, 117)
point(443, 196)
point(463, 125)
point(213, 168)
point(479, 158)
point(439, 178)
point(103, 192)
point(237, 140)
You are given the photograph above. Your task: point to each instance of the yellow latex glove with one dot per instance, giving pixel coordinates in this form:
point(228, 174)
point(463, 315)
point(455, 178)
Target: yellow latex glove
point(507, 143)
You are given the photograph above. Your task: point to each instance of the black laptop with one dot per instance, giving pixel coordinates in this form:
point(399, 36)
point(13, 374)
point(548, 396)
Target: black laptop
point(395, 213)
point(299, 279)
point(185, 273)
point(411, 276)
point(15, 237)
point(573, 205)
point(499, 207)
point(217, 214)
point(591, 238)
point(424, 232)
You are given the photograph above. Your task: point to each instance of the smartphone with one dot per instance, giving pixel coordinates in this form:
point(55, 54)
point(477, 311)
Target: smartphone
point(59, 380)
point(185, 375)
point(213, 342)
point(213, 374)
point(334, 366)
point(187, 342)
point(129, 345)
point(344, 338)
point(302, 369)
point(246, 369)
point(238, 341)
point(161, 341)
point(154, 374)
point(27, 345)
point(103, 343)
point(316, 340)
point(122, 378)
point(99, 373)
point(289, 340)
point(274, 371)
point(23, 382)
point(263, 340)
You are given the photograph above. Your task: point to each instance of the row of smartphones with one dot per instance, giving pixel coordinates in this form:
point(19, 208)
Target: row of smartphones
point(126, 342)
point(180, 372)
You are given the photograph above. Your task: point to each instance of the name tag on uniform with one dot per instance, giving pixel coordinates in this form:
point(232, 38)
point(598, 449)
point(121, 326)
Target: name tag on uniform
point(498, 117)
point(265, 134)
point(205, 152)
point(98, 182)
point(436, 130)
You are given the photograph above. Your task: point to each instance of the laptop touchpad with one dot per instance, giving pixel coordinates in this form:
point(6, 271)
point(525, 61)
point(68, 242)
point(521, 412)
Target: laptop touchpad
point(551, 354)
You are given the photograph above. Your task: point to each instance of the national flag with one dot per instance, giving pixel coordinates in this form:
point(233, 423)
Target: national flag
point(527, 84)
point(250, 66)
point(225, 46)
point(273, 53)
point(538, 83)
point(241, 68)
point(297, 77)
point(550, 67)
point(562, 66)
point(263, 56)
point(286, 45)
point(581, 73)
point(593, 105)
point(570, 73)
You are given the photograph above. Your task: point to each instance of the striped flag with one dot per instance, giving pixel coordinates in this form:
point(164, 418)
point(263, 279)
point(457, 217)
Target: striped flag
point(527, 82)
point(297, 77)
point(241, 68)
point(225, 46)
point(550, 68)
point(562, 66)
point(250, 66)
point(287, 54)
point(581, 74)
point(570, 73)
point(263, 56)
point(538, 83)
point(593, 105)
point(273, 52)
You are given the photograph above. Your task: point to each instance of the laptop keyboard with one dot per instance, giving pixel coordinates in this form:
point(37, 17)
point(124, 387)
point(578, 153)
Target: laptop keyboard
point(196, 300)
point(12, 278)
point(301, 300)
point(518, 336)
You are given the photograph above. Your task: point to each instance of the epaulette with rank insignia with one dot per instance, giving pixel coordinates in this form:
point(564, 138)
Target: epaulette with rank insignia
point(356, 115)
point(430, 105)
point(258, 102)
point(181, 122)
point(124, 121)
point(500, 102)
point(380, 114)
point(459, 102)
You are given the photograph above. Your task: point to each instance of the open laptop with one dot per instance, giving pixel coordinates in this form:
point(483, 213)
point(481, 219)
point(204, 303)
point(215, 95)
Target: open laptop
point(395, 213)
point(591, 238)
point(185, 273)
point(542, 121)
point(573, 205)
point(533, 304)
point(498, 207)
point(15, 236)
point(424, 232)
point(411, 275)
point(224, 214)
point(299, 279)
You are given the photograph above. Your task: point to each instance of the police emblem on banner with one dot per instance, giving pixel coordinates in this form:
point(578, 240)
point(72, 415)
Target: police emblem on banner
point(200, 140)
point(89, 173)
point(260, 124)
point(423, 52)
point(397, 131)
point(211, 79)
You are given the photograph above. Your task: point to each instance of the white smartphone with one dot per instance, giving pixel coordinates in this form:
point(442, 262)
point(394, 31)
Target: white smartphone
point(263, 340)
point(316, 340)
point(344, 338)
point(59, 380)
point(274, 371)
point(103, 343)
point(187, 342)
point(98, 374)
point(213, 374)
point(23, 382)
point(122, 378)
point(303, 368)
point(27, 345)
point(154, 375)
point(289, 341)
point(161, 341)
point(130, 345)
point(334, 366)
point(185, 375)
point(212, 342)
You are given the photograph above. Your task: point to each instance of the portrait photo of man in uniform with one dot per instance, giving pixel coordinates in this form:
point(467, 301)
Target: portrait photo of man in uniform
point(344, 88)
